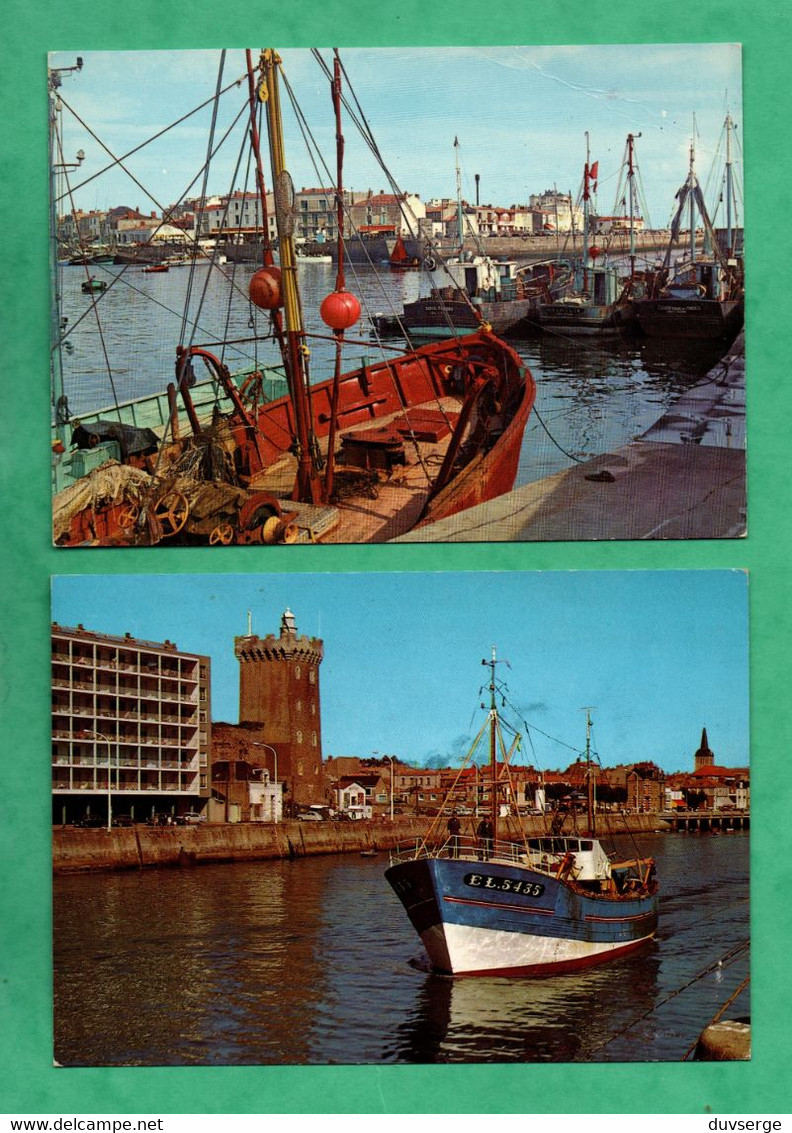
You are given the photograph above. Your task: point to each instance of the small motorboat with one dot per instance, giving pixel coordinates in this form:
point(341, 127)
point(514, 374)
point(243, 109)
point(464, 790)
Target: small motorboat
point(93, 284)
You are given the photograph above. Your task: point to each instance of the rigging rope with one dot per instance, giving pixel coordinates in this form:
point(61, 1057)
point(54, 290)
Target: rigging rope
point(730, 957)
point(209, 150)
point(148, 141)
point(719, 1014)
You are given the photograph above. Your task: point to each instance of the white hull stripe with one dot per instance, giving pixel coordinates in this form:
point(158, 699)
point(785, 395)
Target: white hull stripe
point(464, 949)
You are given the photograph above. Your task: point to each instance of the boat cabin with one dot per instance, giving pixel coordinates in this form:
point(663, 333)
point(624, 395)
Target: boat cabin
point(701, 279)
point(479, 276)
point(598, 282)
point(589, 860)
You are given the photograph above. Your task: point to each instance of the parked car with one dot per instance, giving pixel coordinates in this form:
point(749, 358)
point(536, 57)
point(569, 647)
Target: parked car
point(310, 816)
point(192, 818)
point(90, 820)
point(123, 820)
point(164, 819)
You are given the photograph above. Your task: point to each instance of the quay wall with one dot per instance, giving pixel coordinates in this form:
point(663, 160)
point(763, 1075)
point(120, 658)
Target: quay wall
point(75, 850)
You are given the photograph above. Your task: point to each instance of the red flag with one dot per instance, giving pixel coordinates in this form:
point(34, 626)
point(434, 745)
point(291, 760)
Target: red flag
point(593, 171)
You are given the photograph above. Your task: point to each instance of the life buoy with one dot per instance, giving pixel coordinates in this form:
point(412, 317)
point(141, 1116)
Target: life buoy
point(430, 263)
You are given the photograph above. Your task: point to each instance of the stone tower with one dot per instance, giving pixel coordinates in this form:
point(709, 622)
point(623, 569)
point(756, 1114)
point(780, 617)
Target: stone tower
point(703, 757)
point(279, 693)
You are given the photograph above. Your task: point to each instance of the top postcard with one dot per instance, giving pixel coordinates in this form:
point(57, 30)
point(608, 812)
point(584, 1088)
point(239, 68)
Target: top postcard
point(397, 295)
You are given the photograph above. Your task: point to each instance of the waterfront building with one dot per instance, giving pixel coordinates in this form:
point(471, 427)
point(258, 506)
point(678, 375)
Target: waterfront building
point(350, 798)
point(558, 213)
point(608, 224)
point(711, 786)
point(417, 788)
point(316, 213)
point(131, 730)
point(385, 214)
point(646, 788)
point(243, 790)
point(516, 220)
point(236, 214)
point(279, 695)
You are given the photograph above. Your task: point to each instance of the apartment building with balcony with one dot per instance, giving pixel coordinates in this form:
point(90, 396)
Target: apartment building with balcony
point(131, 731)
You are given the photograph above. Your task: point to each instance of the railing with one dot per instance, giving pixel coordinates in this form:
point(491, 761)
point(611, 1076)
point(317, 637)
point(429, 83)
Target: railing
point(463, 847)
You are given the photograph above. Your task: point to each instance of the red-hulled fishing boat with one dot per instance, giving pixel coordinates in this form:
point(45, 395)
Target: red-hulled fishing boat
point(362, 456)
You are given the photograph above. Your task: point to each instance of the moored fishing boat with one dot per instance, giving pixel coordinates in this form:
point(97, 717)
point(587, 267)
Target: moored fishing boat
point(469, 289)
point(362, 455)
point(591, 306)
point(526, 906)
point(701, 294)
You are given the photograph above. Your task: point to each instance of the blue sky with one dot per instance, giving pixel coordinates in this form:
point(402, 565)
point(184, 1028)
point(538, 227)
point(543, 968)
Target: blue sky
point(520, 114)
point(657, 654)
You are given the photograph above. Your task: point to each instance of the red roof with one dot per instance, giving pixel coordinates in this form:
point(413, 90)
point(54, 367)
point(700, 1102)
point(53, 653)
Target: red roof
point(713, 771)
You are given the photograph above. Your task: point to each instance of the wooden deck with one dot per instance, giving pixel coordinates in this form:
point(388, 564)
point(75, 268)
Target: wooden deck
point(400, 495)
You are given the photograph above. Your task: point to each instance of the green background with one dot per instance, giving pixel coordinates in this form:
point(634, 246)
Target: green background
point(28, 1081)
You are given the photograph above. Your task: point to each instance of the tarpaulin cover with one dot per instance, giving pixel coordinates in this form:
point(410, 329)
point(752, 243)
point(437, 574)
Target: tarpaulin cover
point(131, 438)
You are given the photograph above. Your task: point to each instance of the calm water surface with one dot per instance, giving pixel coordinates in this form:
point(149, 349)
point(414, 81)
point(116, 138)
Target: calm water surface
point(591, 397)
point(314, 961)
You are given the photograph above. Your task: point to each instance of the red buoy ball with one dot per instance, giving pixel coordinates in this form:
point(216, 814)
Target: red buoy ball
point(340, 310)
point(594, 252)
point(265, 289)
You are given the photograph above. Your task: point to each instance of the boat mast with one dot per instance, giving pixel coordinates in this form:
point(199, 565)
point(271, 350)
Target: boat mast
point(729, 187)
point(590, 788)
point(268, 256)
point(586, 195)
point(493, 718)
point(308, 485)
point(460, 218)
point(340, 280)
point(692, 183)
point(631, 197)
point(57, 165)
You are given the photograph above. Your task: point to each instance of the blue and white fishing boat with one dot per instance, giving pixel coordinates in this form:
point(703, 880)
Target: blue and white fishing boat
point(531, 905)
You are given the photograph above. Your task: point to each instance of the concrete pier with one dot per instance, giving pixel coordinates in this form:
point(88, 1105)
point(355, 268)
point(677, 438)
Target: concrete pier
point(683, 479)
point(77, 850)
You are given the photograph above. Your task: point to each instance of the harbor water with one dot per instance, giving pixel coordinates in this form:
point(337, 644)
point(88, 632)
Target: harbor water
point(592, 396)
point(313, 961)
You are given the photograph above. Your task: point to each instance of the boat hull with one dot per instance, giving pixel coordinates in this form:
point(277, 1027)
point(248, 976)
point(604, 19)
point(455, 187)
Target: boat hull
point(689, 318)
point(507, 919)
point(594, 319)
point(432, 318)
point(491, 474)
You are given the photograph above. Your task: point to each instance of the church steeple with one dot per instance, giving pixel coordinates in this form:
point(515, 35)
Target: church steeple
point(704, 756)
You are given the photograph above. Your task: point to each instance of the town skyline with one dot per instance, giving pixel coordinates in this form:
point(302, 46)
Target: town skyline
point(657, 655)
point(541, 102)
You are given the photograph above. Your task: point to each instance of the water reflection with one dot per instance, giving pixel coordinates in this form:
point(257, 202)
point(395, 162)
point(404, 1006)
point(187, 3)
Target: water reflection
point(314, 962)
point(592, 396)
point(565, 1018)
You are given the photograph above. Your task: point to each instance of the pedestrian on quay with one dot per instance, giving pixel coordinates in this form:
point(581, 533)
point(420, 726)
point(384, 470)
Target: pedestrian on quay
point(454, 827)
point(484, 835)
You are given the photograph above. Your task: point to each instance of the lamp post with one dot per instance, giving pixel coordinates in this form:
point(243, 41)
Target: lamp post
point(269, 747)
point(102, 736)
